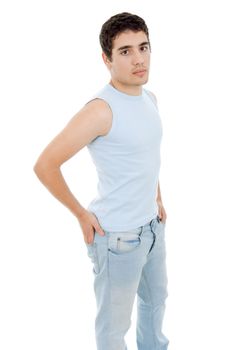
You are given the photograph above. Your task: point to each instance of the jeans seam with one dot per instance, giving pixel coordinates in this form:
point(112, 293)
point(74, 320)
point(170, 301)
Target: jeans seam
point(149, 293)
point(96, 259)
point(109, 282)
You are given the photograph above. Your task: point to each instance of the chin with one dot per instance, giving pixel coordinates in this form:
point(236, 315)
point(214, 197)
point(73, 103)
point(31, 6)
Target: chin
point(141, 81)
point(144, 81)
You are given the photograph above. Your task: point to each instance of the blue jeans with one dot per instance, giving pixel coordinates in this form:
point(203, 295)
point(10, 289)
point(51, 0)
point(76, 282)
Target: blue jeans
point(125, 264)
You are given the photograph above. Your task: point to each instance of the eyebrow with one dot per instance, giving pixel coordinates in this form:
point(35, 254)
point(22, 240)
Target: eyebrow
point(130, 46)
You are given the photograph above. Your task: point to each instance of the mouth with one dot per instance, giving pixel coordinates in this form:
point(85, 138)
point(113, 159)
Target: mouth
point(140, 72)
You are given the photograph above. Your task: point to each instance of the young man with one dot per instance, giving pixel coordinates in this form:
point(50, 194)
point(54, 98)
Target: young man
point(124, 226)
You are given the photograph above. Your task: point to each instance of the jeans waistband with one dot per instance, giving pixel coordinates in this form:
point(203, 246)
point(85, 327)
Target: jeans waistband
point(149, 225)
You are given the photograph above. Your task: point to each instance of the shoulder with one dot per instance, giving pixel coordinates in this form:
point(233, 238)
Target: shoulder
point(152, 96)
point(100, 113)
point(98, 105)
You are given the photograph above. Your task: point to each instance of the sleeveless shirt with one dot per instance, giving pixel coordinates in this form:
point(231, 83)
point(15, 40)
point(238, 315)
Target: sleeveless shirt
point(127, 161)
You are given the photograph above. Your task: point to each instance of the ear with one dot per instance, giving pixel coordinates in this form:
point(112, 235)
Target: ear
point(106, 60)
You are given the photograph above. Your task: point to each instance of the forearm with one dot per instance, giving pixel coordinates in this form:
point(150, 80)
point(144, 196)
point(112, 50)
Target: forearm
point(53, 180)
point(159, 194)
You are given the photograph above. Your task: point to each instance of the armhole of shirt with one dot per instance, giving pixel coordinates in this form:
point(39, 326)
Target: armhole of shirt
point(105, 100)
point(152, 97)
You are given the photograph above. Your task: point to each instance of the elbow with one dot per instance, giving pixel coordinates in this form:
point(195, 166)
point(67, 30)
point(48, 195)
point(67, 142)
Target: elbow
point(43, 167)
point(39, 169)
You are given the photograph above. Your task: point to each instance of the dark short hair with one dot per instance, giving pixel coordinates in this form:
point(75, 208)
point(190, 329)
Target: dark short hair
point(116, 25)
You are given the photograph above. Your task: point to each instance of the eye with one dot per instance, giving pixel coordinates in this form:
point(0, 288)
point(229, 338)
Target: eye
point(124, 52)
point(144, 48)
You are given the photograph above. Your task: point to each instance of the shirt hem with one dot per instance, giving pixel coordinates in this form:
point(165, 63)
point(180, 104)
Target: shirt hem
point(129, 227)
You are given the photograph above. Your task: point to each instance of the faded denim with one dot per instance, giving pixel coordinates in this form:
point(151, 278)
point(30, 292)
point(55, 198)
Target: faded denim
point(125, 264)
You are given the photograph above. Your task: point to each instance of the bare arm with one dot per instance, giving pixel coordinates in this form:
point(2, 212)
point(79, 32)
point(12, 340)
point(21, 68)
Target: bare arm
point(159, 193)
point(92, 120)
point(161, 211)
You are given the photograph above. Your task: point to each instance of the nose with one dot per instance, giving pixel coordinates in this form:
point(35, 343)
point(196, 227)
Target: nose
point(138, 58)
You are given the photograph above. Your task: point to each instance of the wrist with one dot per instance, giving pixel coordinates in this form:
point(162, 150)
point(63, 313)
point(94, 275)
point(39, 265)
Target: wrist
point(80, 213)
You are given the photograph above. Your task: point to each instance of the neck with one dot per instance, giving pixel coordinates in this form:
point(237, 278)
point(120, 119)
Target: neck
point(134, 90)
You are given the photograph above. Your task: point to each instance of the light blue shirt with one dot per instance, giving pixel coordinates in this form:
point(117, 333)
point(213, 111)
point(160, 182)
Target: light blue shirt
point(127, 161)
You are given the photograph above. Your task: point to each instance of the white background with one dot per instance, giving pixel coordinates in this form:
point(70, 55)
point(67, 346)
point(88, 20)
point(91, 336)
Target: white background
point(50, 65)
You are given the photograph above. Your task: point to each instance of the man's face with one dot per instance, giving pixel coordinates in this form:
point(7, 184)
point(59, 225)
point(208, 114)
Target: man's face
point(130, 59)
